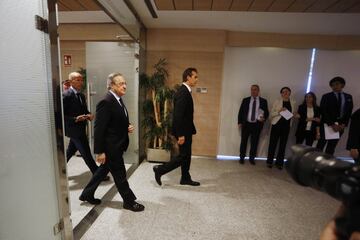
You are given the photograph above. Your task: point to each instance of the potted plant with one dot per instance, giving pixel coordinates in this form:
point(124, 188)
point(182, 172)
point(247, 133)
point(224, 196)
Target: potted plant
point(157, 109)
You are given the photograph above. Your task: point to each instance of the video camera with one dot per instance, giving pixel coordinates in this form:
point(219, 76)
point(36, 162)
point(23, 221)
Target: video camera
point(311, 168)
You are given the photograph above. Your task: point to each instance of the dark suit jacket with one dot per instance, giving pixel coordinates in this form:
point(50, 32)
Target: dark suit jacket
point(72, 109)
point(244, 109)
point(354, 131)
point(301, 128)
point(330, 111)
point(183, 114)
point(111, 126)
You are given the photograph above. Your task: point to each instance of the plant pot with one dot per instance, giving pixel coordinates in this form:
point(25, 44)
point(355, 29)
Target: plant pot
point(157, 155)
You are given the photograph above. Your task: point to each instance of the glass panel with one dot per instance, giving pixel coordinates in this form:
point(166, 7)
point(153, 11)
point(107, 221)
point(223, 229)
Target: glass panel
point(103, 58)
point(29, 199)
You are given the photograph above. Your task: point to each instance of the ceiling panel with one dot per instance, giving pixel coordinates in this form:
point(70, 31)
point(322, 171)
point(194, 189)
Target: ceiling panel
point(183, 4)
point(260, 5)
point(342, 5)
point(354, 9)
point(280, 5)
point(321, 5)
point(164, 4)
point(241, 5)
point(300, 5)
point(72, 5)
point(202, 5)
point(221, 5)
point(90, 5)
point(61, 7)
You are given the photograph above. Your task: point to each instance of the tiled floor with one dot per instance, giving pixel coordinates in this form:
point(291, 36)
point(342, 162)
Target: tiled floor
point(78, 176)
point(234, 202)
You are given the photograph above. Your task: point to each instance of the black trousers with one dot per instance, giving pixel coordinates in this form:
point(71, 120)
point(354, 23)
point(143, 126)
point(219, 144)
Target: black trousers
point(183, 160)
point(308, 136)
point(115, 164)
point(82, 144)
point(279, 133)
point(251, 130)
point(330, 144)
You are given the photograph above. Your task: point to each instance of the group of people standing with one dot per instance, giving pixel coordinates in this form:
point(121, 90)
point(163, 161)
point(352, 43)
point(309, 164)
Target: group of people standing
point(314, 122)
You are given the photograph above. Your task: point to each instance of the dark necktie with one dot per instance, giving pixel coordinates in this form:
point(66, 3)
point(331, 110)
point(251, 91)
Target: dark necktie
point(339, 97)
point(79, 98)
point(253, 110)
point(123, 105)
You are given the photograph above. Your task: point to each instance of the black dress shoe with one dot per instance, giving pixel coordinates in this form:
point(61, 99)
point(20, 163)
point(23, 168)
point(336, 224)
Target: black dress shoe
point(135, 207)
point(157, 174)
point(269, 165)
point(189, 182)
point(241, 161)
point(90, 200)
point(252, 162)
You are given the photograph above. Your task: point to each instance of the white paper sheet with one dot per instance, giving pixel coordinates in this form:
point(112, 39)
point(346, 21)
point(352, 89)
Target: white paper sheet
point(330, 133)
point(260, 114)
point(286, 114)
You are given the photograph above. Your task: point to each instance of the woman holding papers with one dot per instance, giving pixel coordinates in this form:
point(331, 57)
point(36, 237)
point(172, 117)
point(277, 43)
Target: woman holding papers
point(308, 128)
point(282, 111)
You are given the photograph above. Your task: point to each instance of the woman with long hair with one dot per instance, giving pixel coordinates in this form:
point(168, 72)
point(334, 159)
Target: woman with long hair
point(308, 113)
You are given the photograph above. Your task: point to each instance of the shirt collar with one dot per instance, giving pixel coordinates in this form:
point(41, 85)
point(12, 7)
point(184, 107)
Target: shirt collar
point(115, 95)
point(187, 86)
point(73, 89)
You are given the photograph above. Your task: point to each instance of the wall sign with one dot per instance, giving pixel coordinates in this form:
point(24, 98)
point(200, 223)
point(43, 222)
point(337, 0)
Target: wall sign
point(67, 60)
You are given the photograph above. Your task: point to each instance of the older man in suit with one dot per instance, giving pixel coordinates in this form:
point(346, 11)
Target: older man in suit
point(336, 108)
point(111, 140)
point(182, 128)
point(76, 116)
point(252, 114)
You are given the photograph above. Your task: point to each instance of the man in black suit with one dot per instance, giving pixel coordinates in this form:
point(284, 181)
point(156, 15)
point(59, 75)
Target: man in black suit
point(336, 108)
point(251, 117)
point(182, 128)
point(353, 143)
point(111, 140)
point(76, 116)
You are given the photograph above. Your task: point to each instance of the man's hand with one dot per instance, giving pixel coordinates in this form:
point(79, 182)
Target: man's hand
point(101, 158)
point(181, 140)
point(130, 128)
point(354, 153)
point(80, 118)
point(239, 125)
point(90, 116)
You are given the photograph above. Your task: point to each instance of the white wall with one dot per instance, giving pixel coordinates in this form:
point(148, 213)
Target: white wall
point(28, 194)
point(273, 68)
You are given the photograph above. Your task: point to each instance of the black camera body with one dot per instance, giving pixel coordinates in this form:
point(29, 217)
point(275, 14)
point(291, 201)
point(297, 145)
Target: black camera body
point(310, 167)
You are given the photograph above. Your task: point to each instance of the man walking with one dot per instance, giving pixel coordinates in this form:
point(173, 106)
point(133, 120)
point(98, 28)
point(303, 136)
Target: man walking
point(182, 128)
point(111, 140)
point(76, 116)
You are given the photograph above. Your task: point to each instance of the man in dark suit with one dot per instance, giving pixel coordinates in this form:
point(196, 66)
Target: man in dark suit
point(182, 128)
point(111, 140)
point(251, 117)
point(76, 116)
point(336, 108)
point(353, 143)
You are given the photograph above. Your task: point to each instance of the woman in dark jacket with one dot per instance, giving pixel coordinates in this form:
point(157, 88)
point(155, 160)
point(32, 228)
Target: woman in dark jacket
point(309, 118)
